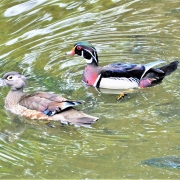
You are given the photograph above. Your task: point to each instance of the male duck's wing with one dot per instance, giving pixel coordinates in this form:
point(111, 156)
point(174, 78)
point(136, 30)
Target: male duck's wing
point(47, 103)
point(123, 70)
point(128, 70)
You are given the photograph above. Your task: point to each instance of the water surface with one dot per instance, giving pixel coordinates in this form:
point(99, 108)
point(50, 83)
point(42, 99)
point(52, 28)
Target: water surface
point(35, 35)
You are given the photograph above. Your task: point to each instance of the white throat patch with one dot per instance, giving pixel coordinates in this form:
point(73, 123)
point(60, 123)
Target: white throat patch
point(92, 57)
point(89, 61)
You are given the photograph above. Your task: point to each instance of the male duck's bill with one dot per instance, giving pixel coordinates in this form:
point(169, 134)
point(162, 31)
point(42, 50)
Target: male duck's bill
point(120, 75)
point(41, 105)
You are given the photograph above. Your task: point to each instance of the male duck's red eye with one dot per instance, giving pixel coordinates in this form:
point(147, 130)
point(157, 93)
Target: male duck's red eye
point(79, 48)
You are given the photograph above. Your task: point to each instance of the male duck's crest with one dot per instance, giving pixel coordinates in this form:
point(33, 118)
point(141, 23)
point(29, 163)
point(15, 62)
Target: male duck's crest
point(120, 75)
point(86, 50)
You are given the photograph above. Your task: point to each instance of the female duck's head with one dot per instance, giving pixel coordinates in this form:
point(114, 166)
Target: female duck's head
point(15, 80)
point(85, 50)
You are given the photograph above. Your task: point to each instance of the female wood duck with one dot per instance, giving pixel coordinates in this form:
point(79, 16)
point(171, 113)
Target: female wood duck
point(119, 75)
point(41, 105)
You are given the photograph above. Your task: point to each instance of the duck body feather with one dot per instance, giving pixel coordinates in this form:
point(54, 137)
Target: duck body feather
point(43, 105)
point(110, 78)
point(120, 75)
point(123, 70)
point(126, 76)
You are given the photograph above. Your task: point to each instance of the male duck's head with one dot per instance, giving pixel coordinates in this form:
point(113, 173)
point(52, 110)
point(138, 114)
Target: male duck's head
point(85, 50)
point(15, 80)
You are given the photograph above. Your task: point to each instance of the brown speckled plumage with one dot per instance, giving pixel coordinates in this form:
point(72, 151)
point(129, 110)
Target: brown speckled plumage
point(37, 105)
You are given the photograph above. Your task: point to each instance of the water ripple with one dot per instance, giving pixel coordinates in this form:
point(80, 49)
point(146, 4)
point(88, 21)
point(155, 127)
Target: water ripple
point(34, 38)
point(21, 8)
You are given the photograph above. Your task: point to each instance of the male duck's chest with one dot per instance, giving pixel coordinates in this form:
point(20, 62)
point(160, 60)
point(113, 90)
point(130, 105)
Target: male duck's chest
point(92, 77)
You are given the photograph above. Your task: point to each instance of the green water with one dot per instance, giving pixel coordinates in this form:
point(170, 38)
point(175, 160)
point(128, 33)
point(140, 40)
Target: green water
point(34, 37)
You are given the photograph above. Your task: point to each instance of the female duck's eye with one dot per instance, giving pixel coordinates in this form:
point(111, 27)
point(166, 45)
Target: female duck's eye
point(79, 48)
point(9, 78)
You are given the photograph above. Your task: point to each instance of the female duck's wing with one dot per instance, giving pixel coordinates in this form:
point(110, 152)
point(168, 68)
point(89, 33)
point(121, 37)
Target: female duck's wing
point(50, 106)
point(57, 98)
point(47, 103)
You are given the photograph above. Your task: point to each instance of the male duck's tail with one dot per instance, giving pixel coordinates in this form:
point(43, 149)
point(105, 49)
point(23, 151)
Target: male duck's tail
point(154, 76)
point(169, 68)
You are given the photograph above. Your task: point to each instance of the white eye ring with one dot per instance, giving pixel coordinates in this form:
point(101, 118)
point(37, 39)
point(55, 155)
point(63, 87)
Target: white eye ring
point(10, 77)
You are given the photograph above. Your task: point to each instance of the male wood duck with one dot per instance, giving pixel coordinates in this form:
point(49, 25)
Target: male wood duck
point(41, 105)
point(119, 75)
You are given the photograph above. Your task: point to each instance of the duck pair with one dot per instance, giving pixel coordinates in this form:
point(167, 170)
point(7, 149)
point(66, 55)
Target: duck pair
point(51, 107)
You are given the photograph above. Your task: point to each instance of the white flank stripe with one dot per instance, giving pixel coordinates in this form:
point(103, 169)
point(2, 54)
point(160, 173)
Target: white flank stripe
point(95, 83)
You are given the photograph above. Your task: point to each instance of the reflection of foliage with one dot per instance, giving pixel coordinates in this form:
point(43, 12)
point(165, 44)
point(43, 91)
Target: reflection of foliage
point(168, 161)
